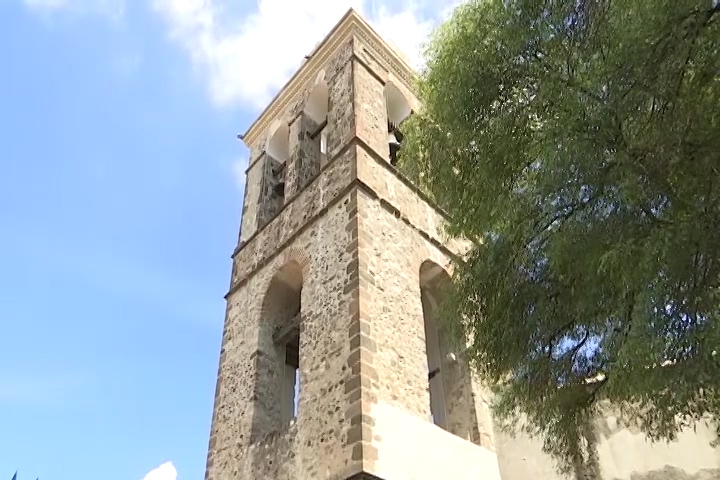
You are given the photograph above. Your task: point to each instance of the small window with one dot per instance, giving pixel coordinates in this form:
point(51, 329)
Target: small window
point(315, 117)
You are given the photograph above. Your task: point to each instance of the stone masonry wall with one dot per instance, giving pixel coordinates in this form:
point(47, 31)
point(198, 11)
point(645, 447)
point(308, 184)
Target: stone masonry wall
point(397, 231)
point(360, 232)
point(298, 213)
point(390, 255)
point(338, 75)
point(317, 228)
point(360, 239)
point(318, 445)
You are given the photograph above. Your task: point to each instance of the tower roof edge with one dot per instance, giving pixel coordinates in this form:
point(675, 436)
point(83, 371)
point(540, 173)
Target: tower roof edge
point(349, 24)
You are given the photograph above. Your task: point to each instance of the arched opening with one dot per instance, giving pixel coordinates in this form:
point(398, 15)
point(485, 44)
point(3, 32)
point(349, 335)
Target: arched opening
point(272, 191)
point(278, 146)
point(313, 151)
point(278, 387)
point(398, 109)
point(451, 396)
point(316, 106)
point(432, 280)
point(317, 110)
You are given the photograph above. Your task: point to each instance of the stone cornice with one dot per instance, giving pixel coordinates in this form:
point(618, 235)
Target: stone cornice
point(350, 24)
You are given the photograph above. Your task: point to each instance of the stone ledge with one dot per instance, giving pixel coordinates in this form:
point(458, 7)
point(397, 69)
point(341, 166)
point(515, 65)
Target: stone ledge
point(397, 214)
point(354, 184)
point(352, 181)
point(311, 182)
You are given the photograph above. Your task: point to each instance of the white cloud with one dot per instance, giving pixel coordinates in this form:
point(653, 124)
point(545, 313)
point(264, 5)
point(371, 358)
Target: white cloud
point(166, 471)
point(246, 57)
point(113, 9)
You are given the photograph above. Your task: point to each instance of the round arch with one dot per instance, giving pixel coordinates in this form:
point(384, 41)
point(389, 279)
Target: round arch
point(283, 293)
point(433, 277)
point(316, 106)
point(278, 143)
point(398, 107)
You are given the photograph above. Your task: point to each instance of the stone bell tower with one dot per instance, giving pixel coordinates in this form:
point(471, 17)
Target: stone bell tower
point(332, 364)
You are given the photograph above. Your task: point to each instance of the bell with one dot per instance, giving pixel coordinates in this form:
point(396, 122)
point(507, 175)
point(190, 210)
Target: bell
point(394, 148)
point(279, 189)
point(392, 140)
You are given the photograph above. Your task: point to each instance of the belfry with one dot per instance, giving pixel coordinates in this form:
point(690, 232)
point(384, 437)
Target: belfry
point(333, 365)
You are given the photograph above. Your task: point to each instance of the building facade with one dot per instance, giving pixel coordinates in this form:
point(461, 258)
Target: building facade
point(333, 364)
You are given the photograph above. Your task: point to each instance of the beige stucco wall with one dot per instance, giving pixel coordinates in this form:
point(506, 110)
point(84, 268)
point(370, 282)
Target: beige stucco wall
point(622, 454)
point(626, 454)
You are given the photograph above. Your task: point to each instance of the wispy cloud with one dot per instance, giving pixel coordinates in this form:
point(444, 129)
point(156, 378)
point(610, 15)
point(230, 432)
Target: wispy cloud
point(166, 471)
point(245, 58)
point(113, 9)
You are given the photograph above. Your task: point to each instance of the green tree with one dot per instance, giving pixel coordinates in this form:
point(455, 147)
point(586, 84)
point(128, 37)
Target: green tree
point(578, 142)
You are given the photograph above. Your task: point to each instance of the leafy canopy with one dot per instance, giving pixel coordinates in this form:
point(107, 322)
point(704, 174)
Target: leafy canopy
point(579, 142)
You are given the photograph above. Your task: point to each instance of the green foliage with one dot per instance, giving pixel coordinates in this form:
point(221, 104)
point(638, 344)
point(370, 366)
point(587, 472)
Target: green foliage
point(580, 140)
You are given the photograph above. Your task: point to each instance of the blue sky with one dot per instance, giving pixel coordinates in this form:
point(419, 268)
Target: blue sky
point(120, 200)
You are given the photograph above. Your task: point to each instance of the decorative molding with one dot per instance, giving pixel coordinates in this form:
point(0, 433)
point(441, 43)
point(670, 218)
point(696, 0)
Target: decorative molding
point(350, 24)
